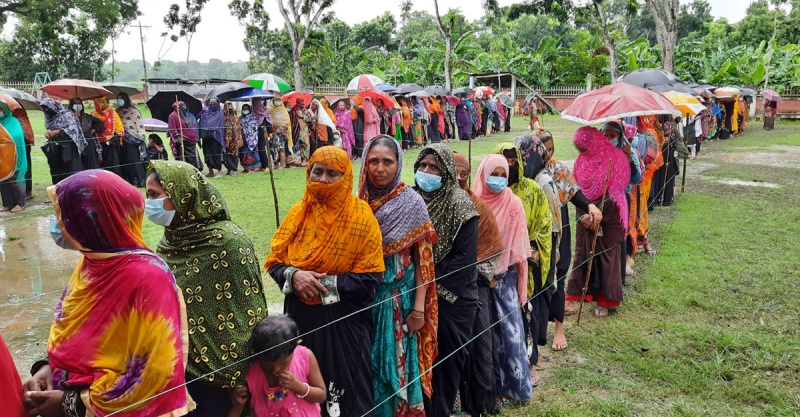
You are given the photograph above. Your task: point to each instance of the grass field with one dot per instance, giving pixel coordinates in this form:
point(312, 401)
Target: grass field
point(709, 326)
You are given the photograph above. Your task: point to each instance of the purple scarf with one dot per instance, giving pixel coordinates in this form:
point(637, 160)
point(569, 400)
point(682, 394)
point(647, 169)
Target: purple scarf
point(213, 120)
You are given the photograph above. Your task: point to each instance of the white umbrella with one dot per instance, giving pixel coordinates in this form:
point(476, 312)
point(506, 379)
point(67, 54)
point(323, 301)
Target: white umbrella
point(364, 82)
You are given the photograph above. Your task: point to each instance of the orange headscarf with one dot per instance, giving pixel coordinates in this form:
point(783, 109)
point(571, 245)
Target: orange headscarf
point(648, 124)
point(327, 108)
point(434, 106)
point(330, 230)
point(407, 118)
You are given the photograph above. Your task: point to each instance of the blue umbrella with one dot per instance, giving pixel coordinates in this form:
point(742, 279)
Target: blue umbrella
point(246, 95)
point(386, 88)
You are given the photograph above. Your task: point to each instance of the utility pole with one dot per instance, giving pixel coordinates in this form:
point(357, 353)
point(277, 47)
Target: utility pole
point(113, 61)
point(144, 61)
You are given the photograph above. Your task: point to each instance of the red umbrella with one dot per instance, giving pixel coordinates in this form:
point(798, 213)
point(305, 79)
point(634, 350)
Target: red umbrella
point(378, 95)
point(292, 98)
point(67, 88)
point(616, 101)
point(453, 100)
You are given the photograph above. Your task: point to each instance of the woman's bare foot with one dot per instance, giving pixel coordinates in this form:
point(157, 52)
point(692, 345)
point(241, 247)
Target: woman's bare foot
point(559, 338)
point(17, 208)
point(600, 311)
point(569, 308)
point(534, 377)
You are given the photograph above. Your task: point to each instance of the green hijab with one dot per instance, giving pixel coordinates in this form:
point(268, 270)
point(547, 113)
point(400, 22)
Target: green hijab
point(217, 271)
point(14, 129)
point(537, 214)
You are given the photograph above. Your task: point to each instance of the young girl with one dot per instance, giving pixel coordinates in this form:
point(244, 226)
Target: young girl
point(285, 379)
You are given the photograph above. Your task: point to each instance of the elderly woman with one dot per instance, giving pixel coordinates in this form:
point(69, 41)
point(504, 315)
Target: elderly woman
point(216, 269)
point(111, 137)
point(407, 295)
point(117, 338)
point(510, 277)
point(605, 285)
point(211, 128)
point(282, 125)
point(265, 129)
point(300, 132)
point(65, 141)
point(90, 126)
point(233, 139)
point(182, 132)
point(344, 123)
point(327, 257)
point(248, 153)
point(455, 255)
point(13, 188)
point(134, 146)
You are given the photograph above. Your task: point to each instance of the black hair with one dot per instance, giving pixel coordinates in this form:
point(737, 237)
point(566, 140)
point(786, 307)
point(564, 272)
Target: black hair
point(248, 107)
point(274, 338)
point(387, 141)
point(156, 139)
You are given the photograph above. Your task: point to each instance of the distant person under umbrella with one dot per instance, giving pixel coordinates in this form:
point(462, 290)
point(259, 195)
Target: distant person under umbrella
point(770, 110)
point(111, 137)
point(21, 114)
point(13, 188)
point(265, 129)
point(233, 139)
point(211, 127)
point(90, 126)
point(65, 141)
point(183, 136)
point(134, 149)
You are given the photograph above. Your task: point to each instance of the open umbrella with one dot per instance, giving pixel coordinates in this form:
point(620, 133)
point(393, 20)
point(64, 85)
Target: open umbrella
point(686, 103)
point(378, 95)
point(617, 101)
point(746, 92)
point(483, 91)
point(161, 104)
point(723, 95)
point(292, 98)
point(730, 90)
point(386, 88)
point(266, 81)
point(437, 90)
point(453, 100)
point(771, 95)
point(345, 99)
point(462, 90)
point(678, 87)
point(506, 99)
point(529, 98)
point(649, 77)
point(363, 82)
point(154, 125)
point(10, 102)
point(420, 93)
point(225, 91)
point(247, 95)
point(68, 88)
point(116, 88)
point(25, 100)
point(408, 88)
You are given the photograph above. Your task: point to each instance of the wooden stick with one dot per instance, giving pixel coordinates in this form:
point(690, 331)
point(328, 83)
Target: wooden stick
point(180, 129)
point(683, 181)
point(272, 180)
point(469, 156)
point(594, 243)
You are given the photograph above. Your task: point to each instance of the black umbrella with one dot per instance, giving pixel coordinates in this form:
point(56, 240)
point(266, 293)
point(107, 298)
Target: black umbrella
point(649, 77)
point(161, 104)
point(746, 92)
point(27, 101)
point(407, 88)
point(437, 90)
point(462, 90)
point(116, 88)
point(225, 91)
point(530, 97)
point(679, 87)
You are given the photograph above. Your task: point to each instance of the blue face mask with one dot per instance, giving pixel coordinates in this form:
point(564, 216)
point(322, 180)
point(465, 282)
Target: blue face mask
point(155, 212)
point(497, 184)
point(245, 112)
point(120, 102)
point(428, 182)
point(58, 236)
point(77, 107)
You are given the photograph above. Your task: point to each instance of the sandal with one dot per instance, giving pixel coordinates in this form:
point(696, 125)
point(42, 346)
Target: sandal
point(535, 378)
point(649, 249)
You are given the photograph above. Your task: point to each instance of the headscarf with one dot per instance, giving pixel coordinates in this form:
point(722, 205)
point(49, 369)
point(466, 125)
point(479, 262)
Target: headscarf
point(112, 124)
point(63, 120)
point(507, 208)
point(133, 125)
point(324, 103)
point(533, 152)
point(182, 122)
point(615, 126)
point(407, 119)
point(117, 331)
point(329, 220)
point(212, 120)
point(449, 206)
point(280, 117)
point(648, 124)
point(489, 241)
point(233, 130)
point(345, 126)
point(14, 129)
point(260, 112)
point(21, 115)
point(215, 266)
point(249, 130)
point(591, 167)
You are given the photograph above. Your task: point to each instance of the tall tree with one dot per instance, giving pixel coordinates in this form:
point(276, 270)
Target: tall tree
point(665, 15)
point(693, 18)
point(186, 23)
point(305, 15)
point(609, 35)
point(446, 29)
point(376, 33)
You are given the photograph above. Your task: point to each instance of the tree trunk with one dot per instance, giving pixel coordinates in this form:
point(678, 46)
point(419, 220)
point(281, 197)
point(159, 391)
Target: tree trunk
point(666, 29)
point(612, 60)
point(188, 51)
point(298, 70)
point(448, 51)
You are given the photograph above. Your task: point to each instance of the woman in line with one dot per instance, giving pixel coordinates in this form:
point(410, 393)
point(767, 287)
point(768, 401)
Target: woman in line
point(282, 125)
point(437, 119)
point(455, 220)
point(111, 136)
point(770, 110)
point(248, 153)
point(662, 191)
point(344, 124)
point(65, 141)
point(406, 121)
point(265, 129)
point(155, 148)
point(134, 149)
point(478, 393)
point(462, 120)
point(326, 107)
point(13, 188)
point(182, 132)
point(372, 120)
point(407, 296)
point(647, 125)
point(605, 284)
point(211, 128)
point(510, 278)
point(233, 139)
point(300, 132)
point(90, 126)
point(117, 336)
point(568, 191)
point(217, 271)
point(540, 229)
point(22, 116)
point(327, 258)
point(357, 115)
point(321, 126)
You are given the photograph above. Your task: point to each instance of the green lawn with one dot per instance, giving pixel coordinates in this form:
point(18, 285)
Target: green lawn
point(708, 327)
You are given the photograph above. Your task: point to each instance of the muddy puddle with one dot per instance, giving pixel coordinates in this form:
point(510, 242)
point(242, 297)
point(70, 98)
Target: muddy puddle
point(748, 183)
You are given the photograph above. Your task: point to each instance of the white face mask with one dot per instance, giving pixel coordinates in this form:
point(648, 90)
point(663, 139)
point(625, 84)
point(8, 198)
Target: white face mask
point(276, 103)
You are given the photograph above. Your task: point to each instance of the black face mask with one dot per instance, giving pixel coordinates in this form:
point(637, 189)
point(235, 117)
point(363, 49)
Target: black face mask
point(513, 174)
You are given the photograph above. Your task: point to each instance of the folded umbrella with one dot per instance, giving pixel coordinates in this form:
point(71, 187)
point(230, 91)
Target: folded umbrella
point(23, 99)
point(225, 91)
point(617, 101)
point(68, 88)
point(771, 95)
point(161, 104)
point(266, 81)
point(437, 90)
point(116, 88)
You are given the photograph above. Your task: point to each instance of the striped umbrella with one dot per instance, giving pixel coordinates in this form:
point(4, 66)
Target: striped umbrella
point(265, 81)
point(364, 82)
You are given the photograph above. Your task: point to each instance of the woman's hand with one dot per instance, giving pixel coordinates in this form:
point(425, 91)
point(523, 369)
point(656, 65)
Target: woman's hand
point(46, 403)
point(41, 381)
point(586, 221)
point(414, 322)
point(627, 149)
point(239, 395)
point(307, 286)
point(597, 215)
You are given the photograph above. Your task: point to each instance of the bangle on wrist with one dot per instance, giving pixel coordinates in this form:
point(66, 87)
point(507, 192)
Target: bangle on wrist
point(308, 391)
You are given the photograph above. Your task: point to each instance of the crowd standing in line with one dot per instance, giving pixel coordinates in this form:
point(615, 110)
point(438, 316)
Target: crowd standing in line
point(400, 300)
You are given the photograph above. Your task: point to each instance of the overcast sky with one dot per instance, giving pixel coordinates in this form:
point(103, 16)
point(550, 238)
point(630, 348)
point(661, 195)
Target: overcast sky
point(219, 34)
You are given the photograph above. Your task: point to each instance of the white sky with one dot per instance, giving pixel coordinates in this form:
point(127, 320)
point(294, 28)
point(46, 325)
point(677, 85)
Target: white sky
point(219, 34)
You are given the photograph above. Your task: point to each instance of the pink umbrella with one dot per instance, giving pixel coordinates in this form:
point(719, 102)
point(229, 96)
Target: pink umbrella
point(68, 88)
point(292, 98)
point(771, 95)
point(378, 95)
point(453, 100)
point(617, 101)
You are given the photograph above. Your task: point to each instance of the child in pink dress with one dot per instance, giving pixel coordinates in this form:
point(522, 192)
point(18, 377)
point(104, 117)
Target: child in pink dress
point(285, 379)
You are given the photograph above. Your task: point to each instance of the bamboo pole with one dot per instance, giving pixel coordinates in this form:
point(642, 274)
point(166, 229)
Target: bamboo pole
point(272, 180)
point(180, 129)
point(594, 243)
